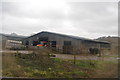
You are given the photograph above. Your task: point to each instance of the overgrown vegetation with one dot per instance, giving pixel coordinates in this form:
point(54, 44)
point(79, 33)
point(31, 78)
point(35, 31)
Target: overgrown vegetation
point(40, 65)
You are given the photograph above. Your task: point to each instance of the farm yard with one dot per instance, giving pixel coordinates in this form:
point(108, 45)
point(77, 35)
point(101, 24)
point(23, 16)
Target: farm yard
point(39, 64)
point(56, 39)
point(54, 55)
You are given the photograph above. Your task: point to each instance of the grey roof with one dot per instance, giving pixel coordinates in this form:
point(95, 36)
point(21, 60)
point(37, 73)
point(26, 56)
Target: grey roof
point(70, 36)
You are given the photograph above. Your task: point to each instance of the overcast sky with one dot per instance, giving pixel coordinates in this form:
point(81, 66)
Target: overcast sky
point(84, 19)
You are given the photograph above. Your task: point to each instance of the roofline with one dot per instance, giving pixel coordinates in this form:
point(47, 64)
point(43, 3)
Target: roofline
point(70, 36)
point(13, 36)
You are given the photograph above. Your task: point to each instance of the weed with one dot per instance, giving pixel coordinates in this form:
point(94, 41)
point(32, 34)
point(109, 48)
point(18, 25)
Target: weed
point(40, 65)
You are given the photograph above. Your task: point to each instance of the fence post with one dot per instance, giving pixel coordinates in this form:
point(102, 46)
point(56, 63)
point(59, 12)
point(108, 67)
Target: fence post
point(17, 52)
point(74, 59)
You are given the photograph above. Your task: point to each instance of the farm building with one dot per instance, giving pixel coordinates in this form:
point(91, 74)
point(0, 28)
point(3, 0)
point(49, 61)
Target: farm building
point(11, 41)
point(65, 43)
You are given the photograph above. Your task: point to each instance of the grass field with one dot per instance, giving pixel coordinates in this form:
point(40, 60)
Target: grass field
point(42, 66)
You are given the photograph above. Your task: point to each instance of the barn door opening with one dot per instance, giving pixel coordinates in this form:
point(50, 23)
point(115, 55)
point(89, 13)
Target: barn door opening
point(27, 43)
point(35, 43)
point(67, 47)
point(42, 41)
point(53, 43)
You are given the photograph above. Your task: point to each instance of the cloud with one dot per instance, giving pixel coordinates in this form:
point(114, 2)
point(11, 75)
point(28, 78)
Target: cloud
point(74, 18)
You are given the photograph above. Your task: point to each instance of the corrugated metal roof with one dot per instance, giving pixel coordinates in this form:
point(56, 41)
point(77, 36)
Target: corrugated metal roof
point(70, 36)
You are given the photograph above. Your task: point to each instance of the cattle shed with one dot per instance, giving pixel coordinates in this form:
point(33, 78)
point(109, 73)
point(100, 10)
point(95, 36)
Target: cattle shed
point(65, 43)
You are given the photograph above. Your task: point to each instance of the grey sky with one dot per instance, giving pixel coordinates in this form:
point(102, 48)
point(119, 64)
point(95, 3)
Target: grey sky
point(85, 19)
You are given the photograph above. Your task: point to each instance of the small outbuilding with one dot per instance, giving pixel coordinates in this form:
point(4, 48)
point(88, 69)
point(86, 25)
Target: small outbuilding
point(8, 41)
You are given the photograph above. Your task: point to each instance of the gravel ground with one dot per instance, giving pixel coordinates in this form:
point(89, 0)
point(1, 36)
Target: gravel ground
point(68, 56)
point(79, 57)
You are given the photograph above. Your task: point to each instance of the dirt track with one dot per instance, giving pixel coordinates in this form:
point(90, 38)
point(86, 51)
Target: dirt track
point(11, 51)
point(79, 57)
point(69, 56)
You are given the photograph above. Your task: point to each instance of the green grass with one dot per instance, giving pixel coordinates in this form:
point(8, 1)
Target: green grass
point(10, 67)
point(41, 66)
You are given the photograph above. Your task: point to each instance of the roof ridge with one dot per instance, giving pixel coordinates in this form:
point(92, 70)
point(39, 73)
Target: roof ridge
point(71, 36)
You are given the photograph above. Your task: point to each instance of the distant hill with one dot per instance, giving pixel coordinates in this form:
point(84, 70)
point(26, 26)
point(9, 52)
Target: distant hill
point(14, 35)
point(115, 43)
